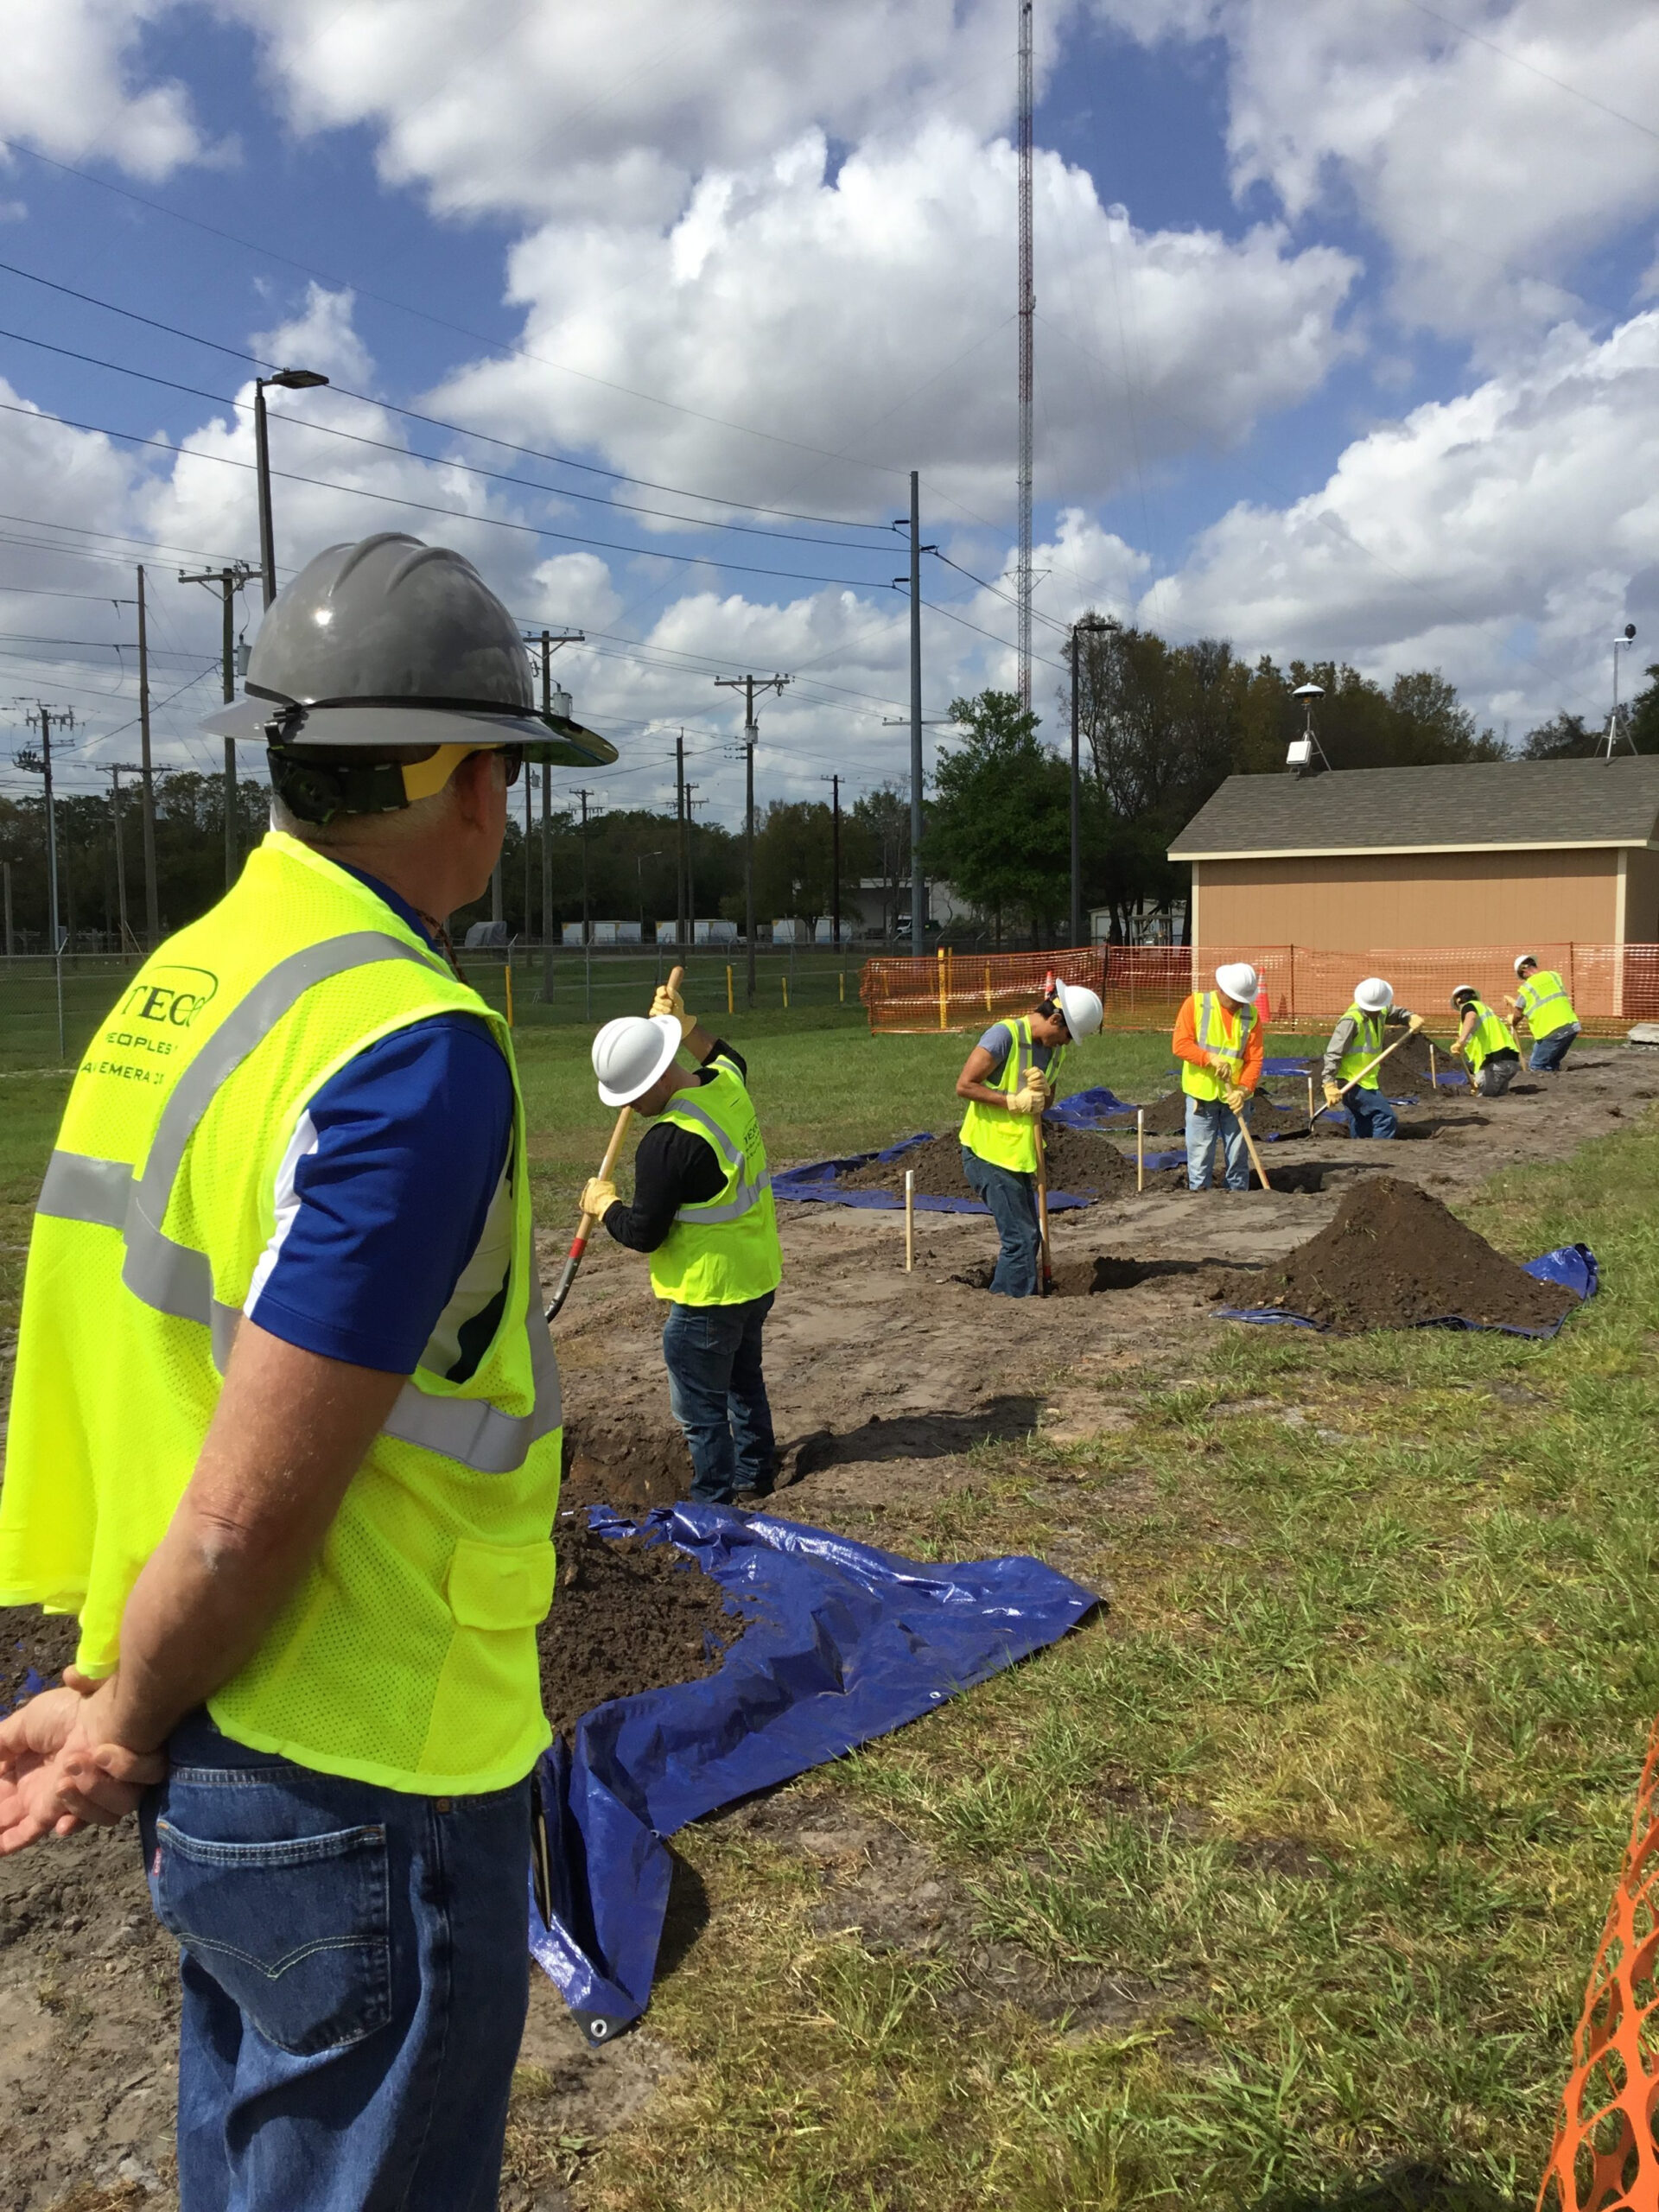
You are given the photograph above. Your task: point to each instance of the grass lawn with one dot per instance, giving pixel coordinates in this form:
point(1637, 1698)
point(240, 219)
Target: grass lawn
point(1334, 1793)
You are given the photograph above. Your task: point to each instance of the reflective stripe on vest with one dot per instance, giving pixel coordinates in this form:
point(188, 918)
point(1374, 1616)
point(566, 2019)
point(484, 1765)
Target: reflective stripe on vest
point(1368, 1043)
point(1491, 1034)
point(176, 1280)
point(1215, 1031)
point(1542, 988)
point(724, 1251)
point(748, 1193)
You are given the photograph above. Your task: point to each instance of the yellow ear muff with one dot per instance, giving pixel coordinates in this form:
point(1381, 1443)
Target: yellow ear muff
point(423, 778)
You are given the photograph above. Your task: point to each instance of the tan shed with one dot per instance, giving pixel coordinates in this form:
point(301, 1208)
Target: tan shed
point(1496, 854)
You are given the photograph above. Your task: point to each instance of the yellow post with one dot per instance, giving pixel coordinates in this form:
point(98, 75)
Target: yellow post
point(944, 988)
point(730, 1008)
point(843, 986)
point(783, 980)
point(509, 976)
point(988, 986)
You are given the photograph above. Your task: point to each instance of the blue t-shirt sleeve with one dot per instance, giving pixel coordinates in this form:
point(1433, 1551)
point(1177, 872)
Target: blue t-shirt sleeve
point(383, 1195)
point(998, 1041)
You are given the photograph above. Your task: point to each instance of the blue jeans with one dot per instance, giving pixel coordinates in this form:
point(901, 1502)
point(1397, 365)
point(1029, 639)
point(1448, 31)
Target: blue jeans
point(1209, 1122)
point(355, 1974)
point(1012, 1198)
point(1372, 1115)
point(1548, 1052)
point(718, 1395)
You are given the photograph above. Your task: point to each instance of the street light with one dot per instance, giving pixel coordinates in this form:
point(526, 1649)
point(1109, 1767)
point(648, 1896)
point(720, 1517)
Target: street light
point(1625, 639)
point(290, 380)
point(1095, 625)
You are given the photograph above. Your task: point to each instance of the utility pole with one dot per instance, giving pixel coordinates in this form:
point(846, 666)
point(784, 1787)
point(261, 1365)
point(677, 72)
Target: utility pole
point(43, 719)
point(152, 900)
point(230, 580)
point(5, 879)
point(116, 770)
point(548, 641)
point(690, 878)
point(680, 933)
point(834, 783)
point(1093, 625)
point(746, 685)
point(1027, 312)
point(918, 879)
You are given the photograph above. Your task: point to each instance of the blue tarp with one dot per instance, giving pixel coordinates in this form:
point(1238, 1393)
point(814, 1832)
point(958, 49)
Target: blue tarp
point(821, 1179)
point(847, 1643)
point(1574, 1265)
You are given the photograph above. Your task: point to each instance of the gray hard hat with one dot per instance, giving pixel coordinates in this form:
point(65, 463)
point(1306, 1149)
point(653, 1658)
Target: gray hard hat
point(393, 643)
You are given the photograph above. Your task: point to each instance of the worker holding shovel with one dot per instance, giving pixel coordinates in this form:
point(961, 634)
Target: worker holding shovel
point(1350, 1072)
point(1218, 1042)
point(703, 1210)
point(1006, 1080)
point(1486, 1043)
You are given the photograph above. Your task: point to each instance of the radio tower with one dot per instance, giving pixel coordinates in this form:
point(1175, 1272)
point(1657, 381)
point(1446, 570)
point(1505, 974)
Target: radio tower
point(1027, 312)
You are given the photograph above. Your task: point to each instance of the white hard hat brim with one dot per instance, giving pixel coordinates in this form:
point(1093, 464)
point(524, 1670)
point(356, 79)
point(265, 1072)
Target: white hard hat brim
point(1238, 980)
point(253, 721)
point(668, 1030)
point(1525, 960)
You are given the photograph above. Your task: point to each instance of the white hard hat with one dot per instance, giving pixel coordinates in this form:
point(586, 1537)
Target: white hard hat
point(1525, 960)
point(1466, 991)
point(1081, 1008)
point(1374, 994)
point(1239, 980)
point(630, 1052)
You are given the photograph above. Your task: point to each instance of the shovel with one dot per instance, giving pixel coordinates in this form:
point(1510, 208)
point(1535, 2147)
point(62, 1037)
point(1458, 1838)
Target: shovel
point(1369, 1068)
point(585, 1224)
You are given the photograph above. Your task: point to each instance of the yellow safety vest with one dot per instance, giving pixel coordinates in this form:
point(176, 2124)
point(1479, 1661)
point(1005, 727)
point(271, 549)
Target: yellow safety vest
point(1215, 1030)
point(1368, 1043)
point(1543, 1003)
point(1491, 1034)
point(724, 1251)
point(1009, 1140)
point(407, 1654)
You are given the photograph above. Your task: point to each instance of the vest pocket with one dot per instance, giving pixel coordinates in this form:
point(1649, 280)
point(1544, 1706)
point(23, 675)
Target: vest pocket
point(296, 1933)
point(501, 1586)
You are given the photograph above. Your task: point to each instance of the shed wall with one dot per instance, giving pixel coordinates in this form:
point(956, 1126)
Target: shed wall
point(1348, 903)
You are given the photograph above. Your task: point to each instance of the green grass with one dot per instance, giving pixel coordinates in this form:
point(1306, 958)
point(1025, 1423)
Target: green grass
point(1336, 1792)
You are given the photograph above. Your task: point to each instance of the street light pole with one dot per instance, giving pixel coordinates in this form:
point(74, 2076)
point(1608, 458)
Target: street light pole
point(1620, 643)
point(287, 381)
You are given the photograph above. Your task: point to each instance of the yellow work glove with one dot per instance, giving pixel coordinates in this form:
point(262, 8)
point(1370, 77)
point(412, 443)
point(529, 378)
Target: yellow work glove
point(670, 1001)
point(598, 1195)
point(1333, 1094)
point(1414, 1023)
point(1237, 1100)
point(1226, 1065)
point(1032, 1097)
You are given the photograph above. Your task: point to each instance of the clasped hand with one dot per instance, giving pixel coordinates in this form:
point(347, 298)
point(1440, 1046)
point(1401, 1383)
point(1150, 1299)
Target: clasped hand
point(59, 1769)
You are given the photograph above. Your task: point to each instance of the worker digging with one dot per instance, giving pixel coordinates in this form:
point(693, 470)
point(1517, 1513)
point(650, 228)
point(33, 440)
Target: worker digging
point(704, 1212)
point(1218, 1041)
point(1485, 1044)
point(1354, 1056)
point(1541, 1002)
point(1007, 1080)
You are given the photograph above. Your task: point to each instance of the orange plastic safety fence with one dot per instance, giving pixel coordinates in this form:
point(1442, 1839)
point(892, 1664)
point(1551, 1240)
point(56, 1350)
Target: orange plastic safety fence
point(1606, 2152)
point(1611, 985)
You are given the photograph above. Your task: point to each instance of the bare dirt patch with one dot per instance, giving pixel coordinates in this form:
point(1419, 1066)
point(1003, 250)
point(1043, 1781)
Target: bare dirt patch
point(1087, 1166)
point(1393, 1256)
point(630, 1613)
point(631, 1468)
point(34, 1649)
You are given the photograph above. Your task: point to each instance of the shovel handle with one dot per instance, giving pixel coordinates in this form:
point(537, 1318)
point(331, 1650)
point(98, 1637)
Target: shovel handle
point(585, 1224)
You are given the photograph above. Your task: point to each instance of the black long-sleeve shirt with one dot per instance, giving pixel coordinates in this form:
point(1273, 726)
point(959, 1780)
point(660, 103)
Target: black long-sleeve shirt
point(672, 1168)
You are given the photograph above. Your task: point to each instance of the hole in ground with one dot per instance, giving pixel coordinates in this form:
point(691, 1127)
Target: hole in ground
point(1105, 1271)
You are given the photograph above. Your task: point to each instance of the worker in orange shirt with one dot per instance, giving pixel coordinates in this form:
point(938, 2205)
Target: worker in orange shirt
point(1217, 1040)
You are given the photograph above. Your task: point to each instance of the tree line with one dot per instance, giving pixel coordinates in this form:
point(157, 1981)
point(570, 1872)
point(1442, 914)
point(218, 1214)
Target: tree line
point(1160, 726)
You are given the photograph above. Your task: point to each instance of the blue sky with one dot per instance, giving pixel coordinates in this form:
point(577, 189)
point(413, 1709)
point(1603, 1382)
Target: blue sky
point(1344, 346)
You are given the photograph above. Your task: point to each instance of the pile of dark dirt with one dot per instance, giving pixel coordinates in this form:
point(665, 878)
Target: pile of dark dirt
point(628, 1615)
point(34, 1649)
point(1166, 1117)
point(1087, 1166)
point(1392, 1256)
point(631, 1469)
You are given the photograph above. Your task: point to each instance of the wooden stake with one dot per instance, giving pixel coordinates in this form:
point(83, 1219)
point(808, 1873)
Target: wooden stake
point(730, 1008)
point(585, 1223)
point(1310, 1105)
point(1140, 1147)
point(910, 1219)
point(1433, 1074)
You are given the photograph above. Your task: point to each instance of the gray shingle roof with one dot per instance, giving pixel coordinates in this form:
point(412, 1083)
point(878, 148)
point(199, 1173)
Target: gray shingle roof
point(1519, 802)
